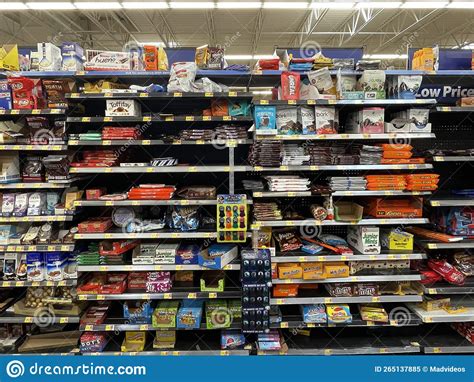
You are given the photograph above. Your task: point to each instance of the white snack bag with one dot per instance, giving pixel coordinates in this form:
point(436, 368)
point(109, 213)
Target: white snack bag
point(182, 76)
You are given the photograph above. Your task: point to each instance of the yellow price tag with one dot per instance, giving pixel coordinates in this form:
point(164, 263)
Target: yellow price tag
point(189, 118)
point(327, 351)
point(432, 291)
point(383, 350)
point(146, 142)
point(150, 169)
point(291, 102)
point(86, 119)
point(28, 320)
point(311, 102)
point(63, 320)
point(437, 350)
point(177, 94)
point(146, 119)
point(208, 94)
point(284, 325)
point(284, 168)
point(375, 299)
point(432, 246)
point(328, 300)
point(435, 203)
point(207, 118)
point(109, 328)
point(15, 112)
point(232, 94)
point(100, 297)
point(168, 296)
point(224, 352)
point(212, 295)
point(143, 327)
point(89, 328)
point(176, 353)
point(192, 295)
point(226, 118)
point(263, 102)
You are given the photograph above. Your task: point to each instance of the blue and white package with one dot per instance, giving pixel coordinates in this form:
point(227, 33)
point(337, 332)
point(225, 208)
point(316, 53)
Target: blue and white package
point(5, 96)
point(265, 120)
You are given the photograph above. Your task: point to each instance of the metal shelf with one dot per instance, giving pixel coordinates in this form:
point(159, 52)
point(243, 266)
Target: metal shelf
point(452, 201)
point(343, 167)
point(24, 283)
point(9, 318)
point(302, 194)
point(347, 102)
point(437, 316)
point(445, 288)
point(452, 343)
point(174, 353)
point(119, 203)
point(302, 257)
point(460, 158)
point(295, 322)
point(344, 300)
point(336, 137)
point(163, 234)
point(452, 245)
point(15, 147)
point(155, 169)
point(163, 95)
point(354, 279)
point(33, 185)
point(123, 327)
point(159, 296)
point(178, 118)
point(32, 111)
point(37, 248)
point(311, 222)
point(159, 142)
point(345, 345)
point(457, 109)
point(154, 267)
point(45, 218)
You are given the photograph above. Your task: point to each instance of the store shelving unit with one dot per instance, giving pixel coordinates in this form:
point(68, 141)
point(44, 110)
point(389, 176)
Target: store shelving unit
point(149, 268)
point(345, 300)
point(163, 95)
point(158, 296)
point(437, 316)
point(350, 137)
point(452, 245)
point(314, 222)
point(444, 288)
point(158, 119)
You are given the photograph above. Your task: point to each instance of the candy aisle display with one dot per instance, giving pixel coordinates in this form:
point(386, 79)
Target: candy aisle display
point(146, 212)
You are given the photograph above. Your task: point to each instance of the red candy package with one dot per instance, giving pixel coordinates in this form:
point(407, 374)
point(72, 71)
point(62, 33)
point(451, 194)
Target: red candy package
point(449, 272)
point(290, 85)
point(269, 64)
point(27, 93)
point(430, 277)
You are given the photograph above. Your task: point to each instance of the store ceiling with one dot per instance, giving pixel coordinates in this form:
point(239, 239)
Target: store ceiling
point(244, 31)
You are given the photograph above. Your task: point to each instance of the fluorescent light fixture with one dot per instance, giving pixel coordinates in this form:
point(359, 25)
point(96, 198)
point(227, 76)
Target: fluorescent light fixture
point(379, 4)
point(285, 5)
point(192, 5)
point(145, 5)
point(239, 4)
point(424, 4)
point(98, 5)
point(384, 56)
point(12, 6)
point(50, 5)
point(238, 56)
point(461, 5)
point(332, 5)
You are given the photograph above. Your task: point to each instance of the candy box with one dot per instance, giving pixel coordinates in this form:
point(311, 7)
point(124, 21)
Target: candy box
point(217, 314)
point(217, 256)
point(165, 253)
point(188, 254)
point(212, 281)
point(315, 313)
point(338, 314)
point(72, 54)
point(395, 208)
point(133, 342)
point(95, 193)
point(50, 57)
point(285, 290)
point(136, 281)
point(95, 225)
point(395, 239)
point(21, 204)
point(364, 239)
point(164, 339)
point(406, 87)
point(93, 341)
point(105, 60)
point(232, 339)
point(369, 120)
point(56, 91)
point(290, 271)
point(35, 266)
point(372, 83)
point(158, 282)
point(336, 270)
point(150, 57)
point(122, 108)
point(164, 315)
point(137, 312)
point(189, 314)
point(9, 57)
point(238, 108)
point(265, 120)
point(435, 303)
point(290, 85)
point(5, 96)
point(312, 271)
point(55, 264)
point(373, 312)
point(36, 204)
point(27, 93)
